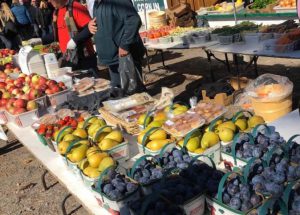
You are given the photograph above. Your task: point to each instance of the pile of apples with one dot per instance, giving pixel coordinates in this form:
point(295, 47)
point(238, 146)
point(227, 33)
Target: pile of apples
point(6, 53)
point(7, 69)
point(287, 3)
point(17, 106)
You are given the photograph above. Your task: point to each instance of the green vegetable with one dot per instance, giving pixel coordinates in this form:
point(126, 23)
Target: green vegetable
point(259, 4)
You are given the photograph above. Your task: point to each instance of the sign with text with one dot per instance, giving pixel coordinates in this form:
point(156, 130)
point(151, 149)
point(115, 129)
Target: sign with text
point(149, 5)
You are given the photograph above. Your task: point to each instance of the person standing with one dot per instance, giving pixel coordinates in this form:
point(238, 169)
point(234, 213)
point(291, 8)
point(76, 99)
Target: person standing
point(116, 27)
point(45, 18)
point(23, 19)
point(81, 40)
point(33, 10)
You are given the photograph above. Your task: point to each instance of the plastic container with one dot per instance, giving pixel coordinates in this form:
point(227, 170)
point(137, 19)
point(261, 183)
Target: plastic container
point(3, 118)
point(165, 40)
point(42, 102)
point(271, 111)
point(24, 119)
point(251, 38)
point(214, 37)
point(225, 40)
point(153, 41)
point(198, 38)
point(59, 98)
point(68, 81)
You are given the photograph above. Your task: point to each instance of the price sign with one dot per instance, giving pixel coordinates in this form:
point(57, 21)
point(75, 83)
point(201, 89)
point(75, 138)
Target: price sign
point(23, 54)
point(148, 5)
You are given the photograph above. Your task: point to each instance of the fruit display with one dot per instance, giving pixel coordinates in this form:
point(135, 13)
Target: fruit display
point(153, 138)
point(8, 69)
point(159, 116)
point(87, 85)
point(225, 7)
point(287, 3)
point(17, 106)
point(260, 4)
point(209, 111)
point(180, 125)
point(289, 37)
point(279, 28)
point(116, 186)
point(174, 159)
point(245, 26)
point(6, 56)
point(109, 138)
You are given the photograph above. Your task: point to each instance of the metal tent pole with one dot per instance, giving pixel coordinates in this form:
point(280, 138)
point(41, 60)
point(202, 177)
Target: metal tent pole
point(145, 15)
point(234, 12)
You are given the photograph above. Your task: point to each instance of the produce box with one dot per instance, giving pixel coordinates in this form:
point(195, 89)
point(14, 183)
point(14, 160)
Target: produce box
point(220, 98)
point(3, 118)
point(23, 119)
point(279, 9)
point(59, 98)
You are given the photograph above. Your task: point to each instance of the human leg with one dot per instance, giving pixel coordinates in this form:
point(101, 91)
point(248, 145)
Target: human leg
point(114, 75)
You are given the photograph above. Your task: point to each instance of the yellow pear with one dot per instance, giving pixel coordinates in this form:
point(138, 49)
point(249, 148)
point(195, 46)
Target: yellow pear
point(69, 137)
point(255, 120)
point(107, 144)
point(93, 129)
point(100, 137)
point(64, 133)
point(80, 124)
point(92, 150)
point(115, 135)
point(193, 144)
point(105, 163)
point(85, 142)
point(160, 116)
point(83, 164)
point(155, 145)
point(226, 134)
point(158, 135)
point(98, 121)
point(55, 134)
point(228, 124)
point(180, 142)
point(209, 139)
point(154, 124)
point(62, 147)
point(142, 118)
point(96, 158)
point(80, 132)
point(91, 172)
point(180, 110)
point(241, 124)
point(199, 151)
point(77, 153)
point(141, 136)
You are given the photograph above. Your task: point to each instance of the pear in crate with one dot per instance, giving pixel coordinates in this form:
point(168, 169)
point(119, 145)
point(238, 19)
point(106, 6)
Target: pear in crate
point(62, 147)
point(77, 153)
point(96, 158)
point(209, 139)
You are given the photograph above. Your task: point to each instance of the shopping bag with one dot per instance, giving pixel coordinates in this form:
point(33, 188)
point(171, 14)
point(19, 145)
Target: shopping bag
point(129, 75)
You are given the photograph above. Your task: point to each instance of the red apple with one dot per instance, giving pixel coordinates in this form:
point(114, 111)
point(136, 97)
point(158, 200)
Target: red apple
point(55, 88)
point(20, 103)
point(19, 111)
point(3, 76)
point(42, 80)
point(16, 91)
point(3, 102)
point(2, 85)
point(48, 91)
point(51, 83)
point(25, 97)
point(11, 110)
point(22, 75)
point(10, 103)
point(9, 81)
point(28, 80)
point(7, 71)
point(6, 95)
point(34, 94)
point(31, 105)
point(35, 79)
point(42, 87)
point(8, 66)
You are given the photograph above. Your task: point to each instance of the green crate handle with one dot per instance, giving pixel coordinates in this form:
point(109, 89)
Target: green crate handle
point(61, 132)
point(255, 129)
point(100, 131)
point(212, 125)
point(233, 146)
point(287, 192)
point(221, 186)
point(188, 136)
point(42, 139)
point(137, 162)
point(100, 178)
point(86, 122)
point(289, 142)
point(198, 156)
point(270, 154)
point(263, 210)
point(148, 115)
point(72, 144)
point(148, 133)
point(247, 169)
point(163, 149)
point(240, 114)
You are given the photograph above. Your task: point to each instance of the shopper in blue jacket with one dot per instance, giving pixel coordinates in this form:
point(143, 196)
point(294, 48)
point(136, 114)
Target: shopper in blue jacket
point(23, 20)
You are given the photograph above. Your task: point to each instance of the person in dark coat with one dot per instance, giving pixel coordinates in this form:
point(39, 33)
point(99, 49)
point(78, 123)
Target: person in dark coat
point(45, 15)
point(116, 27)
point(33, 10)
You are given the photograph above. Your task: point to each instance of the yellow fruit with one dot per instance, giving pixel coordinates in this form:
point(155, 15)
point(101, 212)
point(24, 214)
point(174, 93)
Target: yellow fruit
point(100, 137)
point(91, 172)
point(96, 158)
point(167, 109)
point(199, 151)
point(105, 163)
point(255, 120)
point(93, 129)
point(107, 144)
point(180, 143)
point(209, 139)
point(80, 132)
point(140, 137)
point(62, 147)
point(158, 135)
point(226, 134)
point(55, 134)
point(80, 124)
point(77, 153)
point(85, 142)
point(154, 124)
point(98, 121)
point(92, 150)
point(155, 145)
point(83, 164)
point(62, 134)
point(241, 124)
point(193, 144)
point(142, 118)
point(115, 135)
point(160, 116)
point(180, 110)
point(228, 124)
point(69, 137)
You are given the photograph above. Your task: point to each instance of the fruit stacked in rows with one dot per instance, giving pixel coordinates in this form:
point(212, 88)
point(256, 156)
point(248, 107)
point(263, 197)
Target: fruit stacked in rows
point(177, 190)
point(262, 144)
point(17, 106)
point(108, 138)
point(6, 52)
point(117, 186)
point(204, 176)
point(240, 196)
point(175, 159)
point(155, 120)
point(7, 69)
point(47, 130)
point(271, 180)
point(147, 172)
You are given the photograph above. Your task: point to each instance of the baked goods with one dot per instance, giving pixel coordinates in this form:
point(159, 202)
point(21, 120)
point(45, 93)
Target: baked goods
point(209, 111)
point(89, 85)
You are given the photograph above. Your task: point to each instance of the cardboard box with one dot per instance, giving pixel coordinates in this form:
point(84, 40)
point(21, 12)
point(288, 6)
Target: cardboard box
point(220, 98)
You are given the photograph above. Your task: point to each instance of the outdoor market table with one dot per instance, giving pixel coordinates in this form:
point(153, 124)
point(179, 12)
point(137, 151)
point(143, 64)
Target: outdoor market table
point(287, 126)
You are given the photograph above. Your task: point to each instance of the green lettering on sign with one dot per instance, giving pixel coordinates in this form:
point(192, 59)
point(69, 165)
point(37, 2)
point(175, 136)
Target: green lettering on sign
point(149, 5)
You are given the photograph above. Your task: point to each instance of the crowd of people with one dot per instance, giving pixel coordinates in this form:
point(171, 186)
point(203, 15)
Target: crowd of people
point(114, 27)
